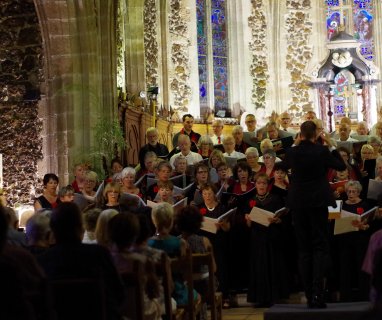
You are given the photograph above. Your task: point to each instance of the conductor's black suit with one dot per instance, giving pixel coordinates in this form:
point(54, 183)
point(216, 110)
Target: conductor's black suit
point(309, 196)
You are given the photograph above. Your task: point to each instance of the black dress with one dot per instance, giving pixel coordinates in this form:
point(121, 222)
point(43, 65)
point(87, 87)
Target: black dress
point(268, 277)
point(353, 282)
point(220, 243)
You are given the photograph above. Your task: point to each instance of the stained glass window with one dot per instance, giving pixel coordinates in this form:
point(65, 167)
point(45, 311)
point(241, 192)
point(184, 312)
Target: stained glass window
point(212, 54)
point(357, 17)
point(202, 52)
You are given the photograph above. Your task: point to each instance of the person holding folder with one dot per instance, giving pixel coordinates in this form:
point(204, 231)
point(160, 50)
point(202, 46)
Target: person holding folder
point(268, 277)
point(308, 198)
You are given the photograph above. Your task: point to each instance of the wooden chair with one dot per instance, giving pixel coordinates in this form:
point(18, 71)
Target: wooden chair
point(133, 307)
point(183, 266)
point(81, 298)
point(164, 272)
point(213, 298)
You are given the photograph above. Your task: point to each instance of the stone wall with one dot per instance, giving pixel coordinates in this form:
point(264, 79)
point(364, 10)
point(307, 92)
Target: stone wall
point(20, 78)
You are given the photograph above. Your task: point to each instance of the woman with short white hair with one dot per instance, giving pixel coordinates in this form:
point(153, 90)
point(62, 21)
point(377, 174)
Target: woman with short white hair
point(128, 179)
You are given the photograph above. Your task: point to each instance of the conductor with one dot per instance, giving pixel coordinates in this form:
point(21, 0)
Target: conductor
point(308, 198)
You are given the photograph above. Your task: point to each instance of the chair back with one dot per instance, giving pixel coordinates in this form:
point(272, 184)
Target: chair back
point(81, 298)
point(183, 265)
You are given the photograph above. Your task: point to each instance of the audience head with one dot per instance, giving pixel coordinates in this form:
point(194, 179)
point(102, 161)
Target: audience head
point(237, 134)
point(252, 155)
point(79, 171)
point(11, 217)
point(205, 144)
point(310, 116)
point(217, 127)
point(165, 190)
point(242, 172)
point(150, 161)
point(229, 144)
point(101, 230)
point(222, 170)
point(353, 189)
point(376, 278)
point(152, 136)
point(201, 173)
point(308, 130)
point(188, 220)
point(261, 183)
point(285, 120)
point(162, 216)
point(272, 130)
point(319, 127)
point(362, 128)
point(116, 166)
point(345, 120)
point(367, 152)
point(66, 194)
point(112, 191)
point(90, 182)
point(265, 144)
point(50, 181)
point(90, 219)
point(66, 223)
point(123, 230)
point(375, 142)
point(188, 122)
point(250, 122)
point(344, 131)
point(344, 153)
point(180, 164)
point(269, 157)
point(184, 144)
point(378, 129)
point(209, 192)
point(37, 230)
point(163, 171)
point(128, 176)
point(216, 157)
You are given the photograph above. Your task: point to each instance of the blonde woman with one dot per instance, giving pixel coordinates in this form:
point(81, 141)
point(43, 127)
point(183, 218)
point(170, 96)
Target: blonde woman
point(101, 230)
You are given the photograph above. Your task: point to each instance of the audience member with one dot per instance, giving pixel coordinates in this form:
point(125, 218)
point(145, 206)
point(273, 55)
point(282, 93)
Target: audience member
point(48, 199)
point(14, 236)
point(69, 258)
point(66, 194)
point(217, 128)
point(188, 123)
point(184, 144)
point(152, 145)
point(101, 230)
point(90, 223)
point(38, 233)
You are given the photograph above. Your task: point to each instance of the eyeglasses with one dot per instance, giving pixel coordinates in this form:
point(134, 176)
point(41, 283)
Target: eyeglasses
point(267, 157)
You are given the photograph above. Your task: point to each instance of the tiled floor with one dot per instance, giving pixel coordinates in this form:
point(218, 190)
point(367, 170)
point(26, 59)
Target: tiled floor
point(247, 312)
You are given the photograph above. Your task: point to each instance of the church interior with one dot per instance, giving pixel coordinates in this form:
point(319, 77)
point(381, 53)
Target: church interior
point(81, 81)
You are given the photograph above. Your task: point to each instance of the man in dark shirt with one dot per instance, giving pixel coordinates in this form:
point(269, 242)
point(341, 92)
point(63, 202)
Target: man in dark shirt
point(152, 145)
point(71, 259)
point(188, 122)
point(309, 196)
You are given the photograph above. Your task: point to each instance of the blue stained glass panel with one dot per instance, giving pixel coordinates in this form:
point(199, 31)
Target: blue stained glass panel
point(332, 3)
point(219, 52)
point(363, 26)
point(220, 83)
point(201, 18)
